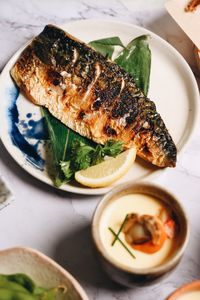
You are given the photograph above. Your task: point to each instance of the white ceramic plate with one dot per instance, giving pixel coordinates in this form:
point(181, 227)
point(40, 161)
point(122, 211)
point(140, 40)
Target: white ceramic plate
point(172, 87)
point(41, 269)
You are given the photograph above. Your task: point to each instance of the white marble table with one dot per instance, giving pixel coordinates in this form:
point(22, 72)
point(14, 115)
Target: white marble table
point(58, 223)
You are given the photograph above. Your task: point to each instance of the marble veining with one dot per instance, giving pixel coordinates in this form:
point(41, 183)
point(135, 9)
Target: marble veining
point(58, 223)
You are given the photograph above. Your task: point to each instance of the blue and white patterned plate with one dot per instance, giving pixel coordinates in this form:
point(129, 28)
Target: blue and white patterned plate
point(173, 88)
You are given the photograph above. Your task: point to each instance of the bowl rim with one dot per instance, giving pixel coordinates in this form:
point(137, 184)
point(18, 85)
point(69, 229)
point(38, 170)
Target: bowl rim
point(187, 287)
point(101, 249)
point(42, 257)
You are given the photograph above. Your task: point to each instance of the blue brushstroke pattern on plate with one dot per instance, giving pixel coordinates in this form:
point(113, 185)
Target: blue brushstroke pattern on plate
point(31, 130)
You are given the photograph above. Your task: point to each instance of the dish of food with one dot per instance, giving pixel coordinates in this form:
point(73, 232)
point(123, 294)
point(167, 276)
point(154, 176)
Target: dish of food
point(147, 229)
point(91, 95)
point(195, 295)
point(140, 232)
point(22, 287)
point(20, 117)
point(189, 291)
point(27, 274)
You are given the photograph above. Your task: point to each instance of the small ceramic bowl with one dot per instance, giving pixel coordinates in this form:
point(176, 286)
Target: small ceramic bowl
point(185, 289)
point(43, 270)
point(129, 276)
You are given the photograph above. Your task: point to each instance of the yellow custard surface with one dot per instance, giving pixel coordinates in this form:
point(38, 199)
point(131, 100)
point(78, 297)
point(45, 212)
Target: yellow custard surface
point(114, 215)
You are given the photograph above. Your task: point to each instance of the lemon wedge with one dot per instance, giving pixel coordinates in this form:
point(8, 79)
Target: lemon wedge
point(108, 171)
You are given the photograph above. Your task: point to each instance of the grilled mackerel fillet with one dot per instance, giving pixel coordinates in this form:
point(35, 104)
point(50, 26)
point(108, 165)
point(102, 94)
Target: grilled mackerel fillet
point(92, 95)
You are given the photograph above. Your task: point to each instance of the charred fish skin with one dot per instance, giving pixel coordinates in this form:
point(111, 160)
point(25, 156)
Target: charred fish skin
point(92, 95)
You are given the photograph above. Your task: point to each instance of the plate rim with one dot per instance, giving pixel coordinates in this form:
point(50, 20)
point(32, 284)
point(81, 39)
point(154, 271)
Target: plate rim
point(151, 176)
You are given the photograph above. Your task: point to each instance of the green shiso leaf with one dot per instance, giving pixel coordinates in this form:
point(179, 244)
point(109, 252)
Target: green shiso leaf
point(136, 60)
point(61, 142)
point(106, 46)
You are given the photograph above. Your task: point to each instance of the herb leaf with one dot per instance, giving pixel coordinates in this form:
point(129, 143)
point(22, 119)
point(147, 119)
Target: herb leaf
point(83, 156)
point(122, 243)
point(58, 134)
point(61, 140)
point(98, 155)
point(65, 167)
point(106, 46)
point(120, 229)
point(136, 60)
point(112, 148)
point(72, 152)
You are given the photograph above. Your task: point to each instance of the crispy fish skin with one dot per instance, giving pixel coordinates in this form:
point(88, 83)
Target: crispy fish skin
point(92, 95)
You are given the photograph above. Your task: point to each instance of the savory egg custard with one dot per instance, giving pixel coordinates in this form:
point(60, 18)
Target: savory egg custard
point(139, 231)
